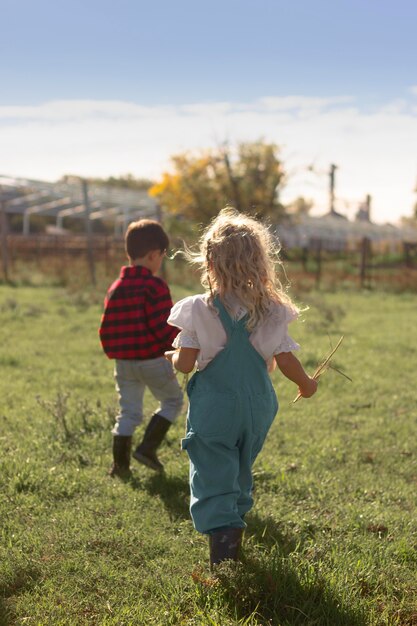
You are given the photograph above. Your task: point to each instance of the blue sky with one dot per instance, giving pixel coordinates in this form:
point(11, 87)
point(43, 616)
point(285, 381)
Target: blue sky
point(161, 51)
point(316, 77)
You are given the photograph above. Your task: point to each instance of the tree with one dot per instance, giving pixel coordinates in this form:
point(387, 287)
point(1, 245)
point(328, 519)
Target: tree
point(248, 178)
point(300, 206)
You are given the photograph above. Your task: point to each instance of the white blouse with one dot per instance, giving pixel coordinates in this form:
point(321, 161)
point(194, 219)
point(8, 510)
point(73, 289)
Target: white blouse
point(202, 329)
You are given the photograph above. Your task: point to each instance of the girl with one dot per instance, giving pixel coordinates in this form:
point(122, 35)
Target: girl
point(235, 332)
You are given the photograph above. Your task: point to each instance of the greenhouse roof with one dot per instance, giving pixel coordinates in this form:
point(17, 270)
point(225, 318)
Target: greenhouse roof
point(74, 197)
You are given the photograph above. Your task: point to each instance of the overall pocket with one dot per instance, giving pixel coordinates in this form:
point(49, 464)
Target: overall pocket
point(264, 407)
point(212, 414)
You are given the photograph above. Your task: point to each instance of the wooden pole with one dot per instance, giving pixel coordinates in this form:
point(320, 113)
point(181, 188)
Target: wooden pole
point(410, 250)
point(158, 212)
point(365, 254)
point(90, 254)
point(304, 258)
point(318, 261)
point(332, 171)
point(106, 254)
point(4, 226)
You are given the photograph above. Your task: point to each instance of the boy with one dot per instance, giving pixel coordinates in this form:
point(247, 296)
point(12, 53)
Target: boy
point(134, 332)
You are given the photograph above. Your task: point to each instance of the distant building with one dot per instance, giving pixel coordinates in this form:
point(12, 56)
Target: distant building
point(334, 214)
point(364, 211)
point(336, 233)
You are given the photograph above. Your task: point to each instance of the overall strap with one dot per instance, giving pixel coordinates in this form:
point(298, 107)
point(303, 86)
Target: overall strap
point(228, 323)
point(224, 316)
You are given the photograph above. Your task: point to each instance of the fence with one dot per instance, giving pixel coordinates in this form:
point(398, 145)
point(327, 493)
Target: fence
point(365, 265)
point(54, 254)
point(72, 198)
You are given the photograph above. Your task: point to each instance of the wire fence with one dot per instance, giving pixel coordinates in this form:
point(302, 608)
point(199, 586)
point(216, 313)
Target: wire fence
point(367, 265)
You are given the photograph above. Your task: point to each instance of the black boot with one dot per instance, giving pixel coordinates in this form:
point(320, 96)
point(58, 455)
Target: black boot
point(155, 432)
point(121, 456)
point(225, 545)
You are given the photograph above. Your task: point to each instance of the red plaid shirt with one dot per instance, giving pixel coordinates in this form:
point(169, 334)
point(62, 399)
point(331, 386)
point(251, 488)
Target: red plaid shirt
point(136, 309)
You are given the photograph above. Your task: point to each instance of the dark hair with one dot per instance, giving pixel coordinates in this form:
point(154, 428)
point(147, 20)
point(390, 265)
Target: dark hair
point(143, 237)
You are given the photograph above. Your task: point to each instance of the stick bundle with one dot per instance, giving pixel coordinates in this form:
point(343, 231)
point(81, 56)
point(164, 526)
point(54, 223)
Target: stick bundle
point(324, 366)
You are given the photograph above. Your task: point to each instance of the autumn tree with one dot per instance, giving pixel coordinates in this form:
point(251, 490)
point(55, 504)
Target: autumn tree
point(248, 178)
point(300, 206)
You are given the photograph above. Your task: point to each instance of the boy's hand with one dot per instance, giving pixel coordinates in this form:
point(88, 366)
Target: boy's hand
point(169, 354)
point(308, 388)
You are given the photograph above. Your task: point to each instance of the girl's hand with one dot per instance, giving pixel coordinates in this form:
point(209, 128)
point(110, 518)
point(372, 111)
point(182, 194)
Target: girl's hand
point(183, 359)
point(308, 388)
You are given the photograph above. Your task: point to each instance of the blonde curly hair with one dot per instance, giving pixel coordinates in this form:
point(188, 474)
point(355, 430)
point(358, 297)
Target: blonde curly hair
point(238, 254)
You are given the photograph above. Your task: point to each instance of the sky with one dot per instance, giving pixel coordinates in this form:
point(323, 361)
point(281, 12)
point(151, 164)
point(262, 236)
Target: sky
point(99, 88)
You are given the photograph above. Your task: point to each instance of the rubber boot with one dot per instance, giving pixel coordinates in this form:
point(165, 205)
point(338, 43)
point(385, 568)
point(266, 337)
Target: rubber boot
point(155, 432)
point(225, 545)
point(121, 456)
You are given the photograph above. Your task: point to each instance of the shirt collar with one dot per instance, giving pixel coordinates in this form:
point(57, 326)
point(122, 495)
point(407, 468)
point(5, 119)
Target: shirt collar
point(134, 271)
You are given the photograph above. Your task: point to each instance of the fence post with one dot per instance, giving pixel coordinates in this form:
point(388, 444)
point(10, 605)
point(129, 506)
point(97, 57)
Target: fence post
point(90, 254)
point(365, 257)
point(318, 261)
point(304, 258)
point(410, 250)
point(159, 217)
point(407, 255)
point(4, 226)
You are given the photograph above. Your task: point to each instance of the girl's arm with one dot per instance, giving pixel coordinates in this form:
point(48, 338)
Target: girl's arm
point(183, 359)
point(291, 367)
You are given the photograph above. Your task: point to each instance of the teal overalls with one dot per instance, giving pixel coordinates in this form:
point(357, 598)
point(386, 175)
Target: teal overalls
point(232, 406)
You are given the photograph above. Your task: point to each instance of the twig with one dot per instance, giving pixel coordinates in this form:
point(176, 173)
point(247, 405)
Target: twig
point(332, 367)
point(323, 367)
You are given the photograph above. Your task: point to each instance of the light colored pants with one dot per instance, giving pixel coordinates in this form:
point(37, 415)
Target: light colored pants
point(132, 377)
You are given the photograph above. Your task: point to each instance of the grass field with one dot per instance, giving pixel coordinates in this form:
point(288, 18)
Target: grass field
point(332, 537)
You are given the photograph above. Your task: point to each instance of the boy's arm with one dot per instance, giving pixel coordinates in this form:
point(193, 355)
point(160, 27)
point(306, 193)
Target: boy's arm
point(183, 359)
point(291, 367)
point(158, 306)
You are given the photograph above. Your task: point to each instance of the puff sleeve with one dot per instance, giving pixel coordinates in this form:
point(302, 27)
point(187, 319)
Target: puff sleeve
point(181, 316)
point(284, 343)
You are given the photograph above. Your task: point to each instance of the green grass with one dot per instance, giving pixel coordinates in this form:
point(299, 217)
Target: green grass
point(332, 537)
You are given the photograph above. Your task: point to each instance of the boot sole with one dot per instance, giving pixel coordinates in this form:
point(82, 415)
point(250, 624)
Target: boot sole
point(148, 462)
point(117, 473)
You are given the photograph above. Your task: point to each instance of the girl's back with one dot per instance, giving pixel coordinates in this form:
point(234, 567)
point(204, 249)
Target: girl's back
point(202, 329)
